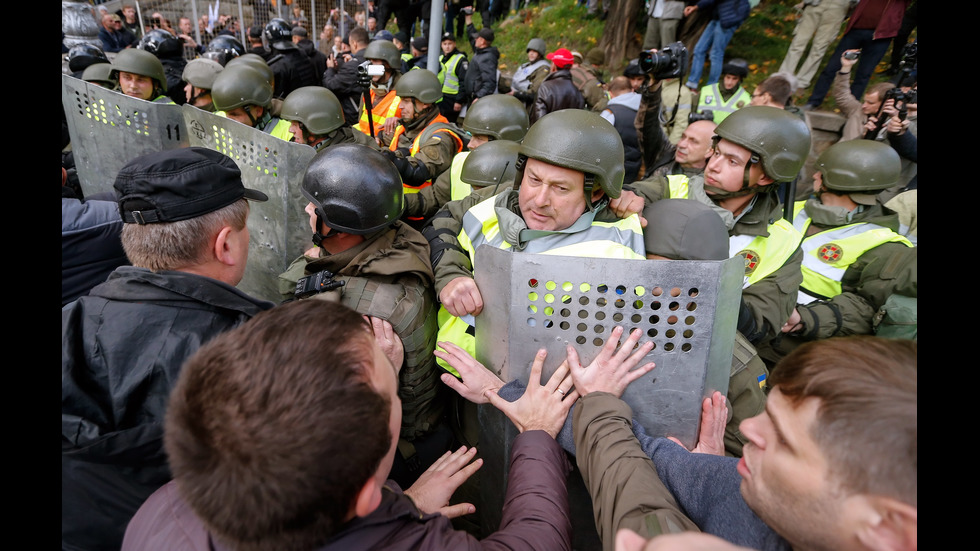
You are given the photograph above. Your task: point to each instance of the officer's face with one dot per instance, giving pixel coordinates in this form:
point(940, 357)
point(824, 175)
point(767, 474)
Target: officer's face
point(533, 55)
point(726, 167)
point(447, 46)
point(202, 100)
point(296, 129)
point(730, 82)
point(477, 140)
point(551, 197)
point(137, 86)
point(241, 114)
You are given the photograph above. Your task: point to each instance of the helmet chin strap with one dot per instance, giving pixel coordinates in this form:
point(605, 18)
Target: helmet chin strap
point(419, 115)
point(719, 194)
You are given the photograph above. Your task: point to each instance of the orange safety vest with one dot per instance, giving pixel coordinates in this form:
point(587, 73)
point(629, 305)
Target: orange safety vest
point(417, 144)
point(389, 106)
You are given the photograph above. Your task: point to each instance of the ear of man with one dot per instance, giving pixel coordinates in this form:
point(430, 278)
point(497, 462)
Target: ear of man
point(888, 524)
point(368, 498)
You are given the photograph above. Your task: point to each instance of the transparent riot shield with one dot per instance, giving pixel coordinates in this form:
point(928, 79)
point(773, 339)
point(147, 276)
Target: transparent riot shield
point(689, 309)
point(108, 129)
point(280, 228)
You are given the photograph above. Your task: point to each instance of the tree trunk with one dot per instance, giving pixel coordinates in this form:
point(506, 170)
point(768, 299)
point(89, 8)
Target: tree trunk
point(619, 39)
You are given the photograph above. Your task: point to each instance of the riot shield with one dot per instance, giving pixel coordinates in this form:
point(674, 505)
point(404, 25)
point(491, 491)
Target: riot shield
point(108, 129)
point(280, 228)
point(689, 309)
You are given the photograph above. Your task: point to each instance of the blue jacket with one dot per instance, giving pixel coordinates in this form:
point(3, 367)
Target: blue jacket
point(731, 13)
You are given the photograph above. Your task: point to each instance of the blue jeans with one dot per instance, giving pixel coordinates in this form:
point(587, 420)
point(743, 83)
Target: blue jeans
point(717, 39)
point(871, 53)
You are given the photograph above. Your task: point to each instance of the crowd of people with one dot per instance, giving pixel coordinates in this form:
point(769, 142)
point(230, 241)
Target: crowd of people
point(343, 413)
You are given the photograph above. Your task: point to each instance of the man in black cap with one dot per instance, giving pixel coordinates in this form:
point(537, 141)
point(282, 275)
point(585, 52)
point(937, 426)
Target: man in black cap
point(481, 75)
point(301, 37)
point(185, 233)
point(420, 53)
point(255, 42)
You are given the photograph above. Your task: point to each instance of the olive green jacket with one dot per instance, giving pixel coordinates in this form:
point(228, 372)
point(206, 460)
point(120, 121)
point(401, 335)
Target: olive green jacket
point(388, 276)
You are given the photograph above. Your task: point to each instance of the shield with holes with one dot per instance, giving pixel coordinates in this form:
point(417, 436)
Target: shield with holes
point(108, 129)
point(689, 309)
point(280, 228)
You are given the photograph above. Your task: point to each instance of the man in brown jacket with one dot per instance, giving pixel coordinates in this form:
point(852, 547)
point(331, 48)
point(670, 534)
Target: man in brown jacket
point(281, 435)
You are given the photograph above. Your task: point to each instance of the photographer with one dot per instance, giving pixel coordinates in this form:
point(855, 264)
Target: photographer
point(341, 76)
point(856, 111)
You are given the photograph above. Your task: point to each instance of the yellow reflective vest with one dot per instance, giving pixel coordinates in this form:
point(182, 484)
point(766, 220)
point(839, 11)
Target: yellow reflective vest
point(828, 254)
point(710, 98)
point(447, 73)
point(622, 238)
point(389, 106)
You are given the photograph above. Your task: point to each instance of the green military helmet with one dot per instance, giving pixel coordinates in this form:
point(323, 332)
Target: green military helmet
point(493, 163)
point(354, 189)
point(140, 62)
point(501, 116)
point(254, 61)
point(779, 138)
point(238, 86)
point(201, 72)
point(579, 140)
point(422, 85)
point(99, 73)
point(386, 51)
point(317, 108)
point(858, 166)
point(538, 45)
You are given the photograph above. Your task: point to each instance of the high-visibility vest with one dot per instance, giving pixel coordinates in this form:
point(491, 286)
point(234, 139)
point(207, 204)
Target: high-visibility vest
point(710, 98)
point(763, 255)
point(458, 188)
point(276, 127)
point(620, 239)
point(447, 74)
point(828, 254)
point(389, 106)
point(426, 133)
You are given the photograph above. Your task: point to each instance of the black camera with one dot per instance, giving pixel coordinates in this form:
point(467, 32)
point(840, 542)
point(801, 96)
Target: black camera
point(669, 62)
point(706, 115)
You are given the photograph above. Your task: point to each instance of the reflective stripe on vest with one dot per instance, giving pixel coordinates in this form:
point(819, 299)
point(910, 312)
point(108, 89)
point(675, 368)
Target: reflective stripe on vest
point(677, 186)
point(389, 106)
point(458, 188)
point(417, 144)
point(620, 239)
point(447, 74)
point(764, 255)
point(279, 128)
point(710, 98)
point(828, 254)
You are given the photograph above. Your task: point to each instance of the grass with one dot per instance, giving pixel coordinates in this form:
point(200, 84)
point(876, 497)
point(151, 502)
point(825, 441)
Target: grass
point(762, 40)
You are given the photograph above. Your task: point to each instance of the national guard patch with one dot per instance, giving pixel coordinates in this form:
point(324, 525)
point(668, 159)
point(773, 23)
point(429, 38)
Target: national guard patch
point(709, 100)
point(830, 253)
point(740, 104)
point(751, 261)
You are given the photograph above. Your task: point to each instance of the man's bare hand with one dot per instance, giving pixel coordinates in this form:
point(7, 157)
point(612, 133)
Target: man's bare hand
point(792, 325)
point(626, 204)
point(714, 417)
point(433, 489)
point(388, 341)
point(477, 381)
point(611, 370)
point(461, 296)
point(541, 407)
point(845, 63)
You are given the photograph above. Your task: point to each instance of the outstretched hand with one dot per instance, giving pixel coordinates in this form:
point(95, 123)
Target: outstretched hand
point(541, 407)
point(433, 489)
point(476, 381)
point(610, 371)
point(714, 417)
point(388, 341)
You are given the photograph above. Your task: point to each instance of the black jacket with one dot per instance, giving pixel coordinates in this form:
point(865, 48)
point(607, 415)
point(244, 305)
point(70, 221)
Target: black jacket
point(91, 247)
point(342, 81)
point(122, 348)
point(292, 68)
point(481, 75)
point(318, 58)
point(555, 93)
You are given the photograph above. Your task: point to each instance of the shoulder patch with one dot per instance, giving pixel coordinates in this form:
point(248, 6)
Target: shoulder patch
point(830, 253)
point(751, 260)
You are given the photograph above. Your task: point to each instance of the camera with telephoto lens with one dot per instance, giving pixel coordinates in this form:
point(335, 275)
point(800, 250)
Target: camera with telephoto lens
point(669, 62)
point(706, 115)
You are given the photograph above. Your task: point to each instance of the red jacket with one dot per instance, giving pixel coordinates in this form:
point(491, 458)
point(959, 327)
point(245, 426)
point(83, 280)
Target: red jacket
point(892, 12)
